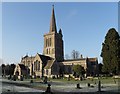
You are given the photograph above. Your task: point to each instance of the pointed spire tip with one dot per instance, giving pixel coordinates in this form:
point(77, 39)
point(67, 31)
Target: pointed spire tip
point(53, 5)
point(53, 22)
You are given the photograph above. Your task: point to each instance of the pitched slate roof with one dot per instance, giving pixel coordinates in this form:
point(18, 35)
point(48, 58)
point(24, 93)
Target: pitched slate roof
point(44, 59)
point(49, 64)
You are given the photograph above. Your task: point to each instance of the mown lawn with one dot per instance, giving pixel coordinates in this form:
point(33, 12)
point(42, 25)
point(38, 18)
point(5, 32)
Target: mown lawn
point(57, 83)
point(104, 80)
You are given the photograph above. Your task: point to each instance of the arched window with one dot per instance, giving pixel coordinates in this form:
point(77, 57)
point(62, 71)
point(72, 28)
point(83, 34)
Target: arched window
point(37, 65)
point(46, 72)
point(47, 51)
point(53, 51)
point(50, 42)
point(45, 42)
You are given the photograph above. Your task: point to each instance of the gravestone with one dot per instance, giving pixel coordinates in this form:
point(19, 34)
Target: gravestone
point(21, 78)
point(48, 89)
point(31, 81)
point(14, 78)
point(68, 78)
point(88, 84)
point(99, 86)
point(78, 86)
point(81, 79)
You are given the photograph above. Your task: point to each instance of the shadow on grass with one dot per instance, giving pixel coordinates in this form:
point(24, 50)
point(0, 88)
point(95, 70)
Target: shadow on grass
point(102, 92)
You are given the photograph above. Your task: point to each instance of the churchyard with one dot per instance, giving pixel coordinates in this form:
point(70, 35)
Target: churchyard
point(108, 84)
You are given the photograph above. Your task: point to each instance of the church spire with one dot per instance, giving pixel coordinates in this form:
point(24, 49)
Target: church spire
point(52, 22)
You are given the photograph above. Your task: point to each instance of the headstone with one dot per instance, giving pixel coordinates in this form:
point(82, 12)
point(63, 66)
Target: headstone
point(21, 78)
point(68, 78)
point(99, 86)
point(31, 81)
point(48, 89)
point(81, 79)
point(14, 78)
point(78, 86)
point(8, 90)
point(88, 84)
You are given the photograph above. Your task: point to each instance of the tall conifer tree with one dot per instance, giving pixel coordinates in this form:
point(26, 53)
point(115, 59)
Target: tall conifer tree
point(111, 52)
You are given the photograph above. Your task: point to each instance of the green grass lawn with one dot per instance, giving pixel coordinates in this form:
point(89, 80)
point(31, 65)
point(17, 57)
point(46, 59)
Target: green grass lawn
point(107, 80)
point(104, 80)
point(64, 82)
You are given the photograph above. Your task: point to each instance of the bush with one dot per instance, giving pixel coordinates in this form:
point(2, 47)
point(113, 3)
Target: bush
point(88, 84)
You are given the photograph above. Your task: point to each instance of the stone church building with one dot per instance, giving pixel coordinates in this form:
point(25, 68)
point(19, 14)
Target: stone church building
point(52, 61)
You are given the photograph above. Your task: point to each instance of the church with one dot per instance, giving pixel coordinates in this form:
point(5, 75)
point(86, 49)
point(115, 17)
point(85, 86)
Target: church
point(51, 62)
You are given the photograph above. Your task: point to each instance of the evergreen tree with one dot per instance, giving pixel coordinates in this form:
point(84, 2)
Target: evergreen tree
point(100, 65)
point(111, 52)
point(78, 70)
point(3, 69)
point(7, 69)
point(12, 67)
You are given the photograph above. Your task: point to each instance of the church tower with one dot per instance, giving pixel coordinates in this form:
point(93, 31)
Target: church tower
point(53, 42)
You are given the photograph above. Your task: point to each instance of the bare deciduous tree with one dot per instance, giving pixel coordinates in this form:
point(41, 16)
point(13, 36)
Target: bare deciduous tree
point(75, 54)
